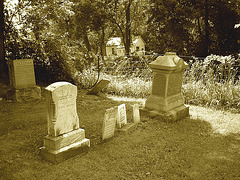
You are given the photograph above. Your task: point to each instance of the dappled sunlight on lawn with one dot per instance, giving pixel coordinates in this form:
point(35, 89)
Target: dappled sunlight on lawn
point(222, 122)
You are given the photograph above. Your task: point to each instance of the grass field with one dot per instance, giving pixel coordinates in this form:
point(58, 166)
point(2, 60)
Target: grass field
point(188, 149)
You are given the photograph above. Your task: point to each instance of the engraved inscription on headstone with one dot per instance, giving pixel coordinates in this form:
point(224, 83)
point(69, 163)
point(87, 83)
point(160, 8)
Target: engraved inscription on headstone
point(61, 105)
point(122, 116)
point(109, 123)
point(136, 115)
point(23, 74)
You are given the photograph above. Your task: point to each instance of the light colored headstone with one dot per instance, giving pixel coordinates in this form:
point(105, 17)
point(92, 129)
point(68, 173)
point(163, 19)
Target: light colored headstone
point(109, 123)
point(99, 86)
point(122, 116)
point(61, 106)
point(136, 115)
point(65, 139)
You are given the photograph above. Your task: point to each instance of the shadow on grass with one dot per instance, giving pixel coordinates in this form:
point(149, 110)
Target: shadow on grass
point(187, 149)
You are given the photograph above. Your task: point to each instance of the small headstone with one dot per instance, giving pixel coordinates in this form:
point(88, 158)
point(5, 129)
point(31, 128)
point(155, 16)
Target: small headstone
point(99, 86)
point(109, 123)
point(122, 116)
point(65, 139)
point(22, 81)
point(136, 115)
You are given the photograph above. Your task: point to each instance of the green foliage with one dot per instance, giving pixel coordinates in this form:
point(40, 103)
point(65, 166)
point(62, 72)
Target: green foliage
point(193, 27)
point(213, 82)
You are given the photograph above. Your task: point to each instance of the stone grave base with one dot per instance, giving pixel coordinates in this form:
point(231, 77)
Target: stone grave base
point(170, 116)
point(129, 127)
point(65, 146)
point(23, 95)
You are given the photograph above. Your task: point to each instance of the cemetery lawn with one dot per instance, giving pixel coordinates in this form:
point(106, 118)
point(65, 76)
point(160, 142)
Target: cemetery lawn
point(188, 149)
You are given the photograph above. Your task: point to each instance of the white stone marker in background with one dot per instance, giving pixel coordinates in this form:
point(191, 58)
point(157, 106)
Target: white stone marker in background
point(122, 116)
point(136, 115)
point(109, 123)
point(65, 139)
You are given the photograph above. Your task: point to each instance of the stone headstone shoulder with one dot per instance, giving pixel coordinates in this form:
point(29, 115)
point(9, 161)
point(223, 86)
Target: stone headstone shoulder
point(65, 139)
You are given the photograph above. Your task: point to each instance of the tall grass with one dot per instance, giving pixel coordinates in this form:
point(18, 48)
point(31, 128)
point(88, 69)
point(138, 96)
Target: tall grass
point(210, 82)
point(213, 82)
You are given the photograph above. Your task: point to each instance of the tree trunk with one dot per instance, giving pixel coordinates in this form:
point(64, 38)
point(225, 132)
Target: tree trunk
point(128, 30)
point(3, 64)
point(206, 18)
point(103, 47)
point(86, 42)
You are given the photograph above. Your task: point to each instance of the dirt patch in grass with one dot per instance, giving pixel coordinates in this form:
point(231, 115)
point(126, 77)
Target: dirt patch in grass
point(188, 149)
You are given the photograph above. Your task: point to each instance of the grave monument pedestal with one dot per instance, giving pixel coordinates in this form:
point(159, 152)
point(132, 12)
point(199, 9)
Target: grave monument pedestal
point(65, 139)
point(166, 101)
point(22, 81)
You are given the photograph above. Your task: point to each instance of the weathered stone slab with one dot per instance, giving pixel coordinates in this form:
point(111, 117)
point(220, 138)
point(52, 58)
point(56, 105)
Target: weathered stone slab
point(128, 128)
point(170, 116)
point(99, 86)
point(51, 142)
point(109, 123)
point(22, 81)
point(61, 106)
point(60, 155)
point(22, 73)
point(24, 95)
point(121, 116)
point(136, 114)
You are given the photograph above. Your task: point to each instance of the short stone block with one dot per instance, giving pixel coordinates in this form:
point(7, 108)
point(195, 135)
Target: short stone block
point(57, 156)
point(170, 116)
point(51, 142)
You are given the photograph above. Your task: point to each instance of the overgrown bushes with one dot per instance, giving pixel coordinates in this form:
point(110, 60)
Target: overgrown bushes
point(213, 81)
